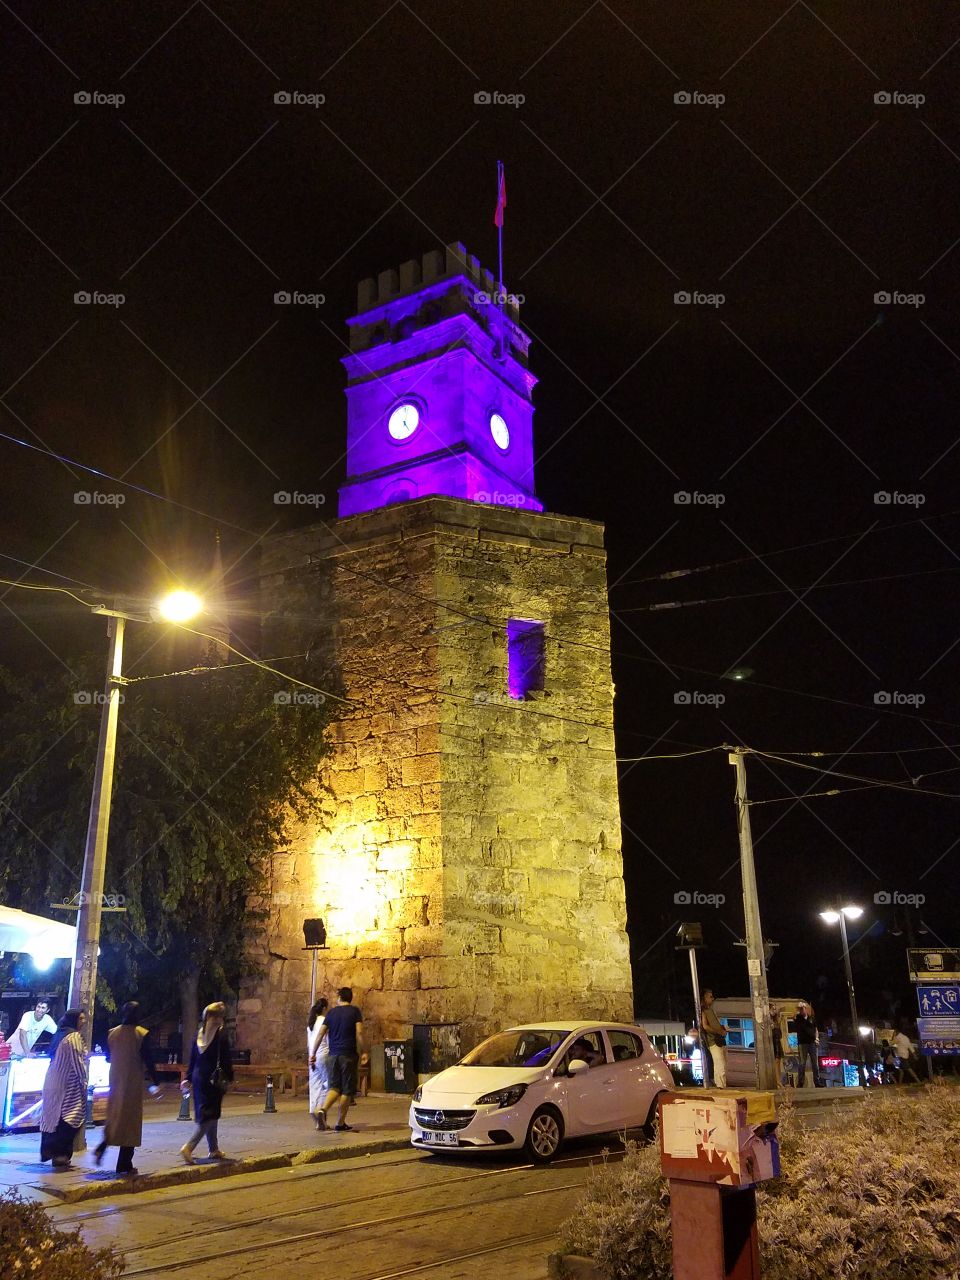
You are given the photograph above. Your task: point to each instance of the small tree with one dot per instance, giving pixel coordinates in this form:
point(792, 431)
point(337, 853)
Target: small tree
point(210, 769)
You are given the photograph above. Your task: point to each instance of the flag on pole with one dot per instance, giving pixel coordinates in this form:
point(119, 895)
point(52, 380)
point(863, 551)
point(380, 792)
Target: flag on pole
point(501, 195)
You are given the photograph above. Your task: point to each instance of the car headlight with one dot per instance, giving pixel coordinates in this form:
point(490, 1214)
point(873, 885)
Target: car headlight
point(503, 1097)
point(418, 1093)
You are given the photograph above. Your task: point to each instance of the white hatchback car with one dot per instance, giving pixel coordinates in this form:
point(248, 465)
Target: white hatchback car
point(532, 1086)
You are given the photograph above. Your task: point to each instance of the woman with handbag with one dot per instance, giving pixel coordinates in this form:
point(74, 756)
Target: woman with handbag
point(209, 1075)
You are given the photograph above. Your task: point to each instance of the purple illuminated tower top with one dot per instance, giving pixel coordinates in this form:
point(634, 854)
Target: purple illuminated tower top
point(439, 396)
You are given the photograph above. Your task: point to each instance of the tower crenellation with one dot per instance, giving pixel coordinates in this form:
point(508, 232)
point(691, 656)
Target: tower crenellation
point(462, 284)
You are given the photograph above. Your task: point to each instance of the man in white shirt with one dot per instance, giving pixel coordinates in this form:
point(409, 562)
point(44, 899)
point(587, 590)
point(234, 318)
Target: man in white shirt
point(32, 1026)
point(904, 1049)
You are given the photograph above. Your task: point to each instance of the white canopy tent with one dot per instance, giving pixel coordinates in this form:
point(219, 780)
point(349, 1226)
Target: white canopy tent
point(45, 940)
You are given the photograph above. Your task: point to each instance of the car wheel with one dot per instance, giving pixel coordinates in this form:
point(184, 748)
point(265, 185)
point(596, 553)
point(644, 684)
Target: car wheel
point(653, 1116)
point(544, 1135)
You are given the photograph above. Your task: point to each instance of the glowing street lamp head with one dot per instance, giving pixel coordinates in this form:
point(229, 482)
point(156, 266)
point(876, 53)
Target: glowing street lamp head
point(179, 606)
point(832, 917)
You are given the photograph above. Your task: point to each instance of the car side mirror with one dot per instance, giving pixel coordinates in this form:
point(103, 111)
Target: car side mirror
point(577, 1067)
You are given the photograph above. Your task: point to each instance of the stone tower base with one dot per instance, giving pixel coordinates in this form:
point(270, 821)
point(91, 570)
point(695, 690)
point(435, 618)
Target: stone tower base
point(467, 865)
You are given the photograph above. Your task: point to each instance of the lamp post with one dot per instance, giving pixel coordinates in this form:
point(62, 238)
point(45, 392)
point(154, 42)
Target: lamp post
point(869, 1031)
point(841, 915)
point(178, 606)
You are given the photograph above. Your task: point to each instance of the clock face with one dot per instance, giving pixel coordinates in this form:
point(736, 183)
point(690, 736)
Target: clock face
point(403, 421)
point(500, 431)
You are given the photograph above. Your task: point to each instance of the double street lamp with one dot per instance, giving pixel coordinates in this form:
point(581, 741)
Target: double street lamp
point(840, 915)
point(177, 607)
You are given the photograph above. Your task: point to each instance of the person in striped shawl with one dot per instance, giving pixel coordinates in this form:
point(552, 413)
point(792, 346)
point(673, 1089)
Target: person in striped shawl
point(64, 1091)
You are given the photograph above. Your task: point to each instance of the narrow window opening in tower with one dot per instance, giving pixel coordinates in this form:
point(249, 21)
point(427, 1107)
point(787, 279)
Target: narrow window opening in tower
point(526, 657)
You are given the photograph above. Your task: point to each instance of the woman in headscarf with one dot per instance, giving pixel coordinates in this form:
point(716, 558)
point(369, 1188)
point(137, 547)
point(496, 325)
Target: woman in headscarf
point(209, 1074)
point(317, 1055)
point(64, 1091)
point(131, 1057)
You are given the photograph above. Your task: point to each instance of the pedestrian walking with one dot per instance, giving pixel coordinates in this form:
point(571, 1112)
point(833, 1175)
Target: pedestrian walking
point(903, 1048)
point(342, 1027)
point(209, 1076)
point(318, 1056)
point(363, 1087)
point(714, 1036)
point(131, 1056)
point(64, 1110)
point(888, 1062)
point(808, 1041)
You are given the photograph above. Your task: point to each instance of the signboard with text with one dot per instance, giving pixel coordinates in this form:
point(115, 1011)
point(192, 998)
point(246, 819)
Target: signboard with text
point(932, 964)
point(939, 1036)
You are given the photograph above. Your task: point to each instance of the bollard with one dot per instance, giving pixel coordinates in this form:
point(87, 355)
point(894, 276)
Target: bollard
point(269, 1104)
point(714, 1149)
point(89, 1116)
point(184, 1106)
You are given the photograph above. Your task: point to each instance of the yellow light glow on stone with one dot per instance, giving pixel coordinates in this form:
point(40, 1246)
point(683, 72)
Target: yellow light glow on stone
point(358, 883)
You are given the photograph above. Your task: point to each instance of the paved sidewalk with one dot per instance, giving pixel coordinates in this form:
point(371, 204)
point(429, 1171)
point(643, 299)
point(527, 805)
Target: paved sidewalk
point(252, 1138)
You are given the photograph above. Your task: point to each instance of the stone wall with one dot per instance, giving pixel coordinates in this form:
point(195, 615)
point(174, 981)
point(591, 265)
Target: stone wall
point(468, 863)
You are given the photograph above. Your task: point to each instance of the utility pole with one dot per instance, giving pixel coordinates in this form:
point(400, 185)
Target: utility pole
point(83, 977)
point(756, 965)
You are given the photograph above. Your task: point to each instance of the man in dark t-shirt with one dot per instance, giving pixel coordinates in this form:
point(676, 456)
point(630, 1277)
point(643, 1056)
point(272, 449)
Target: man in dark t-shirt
point(343, 1027)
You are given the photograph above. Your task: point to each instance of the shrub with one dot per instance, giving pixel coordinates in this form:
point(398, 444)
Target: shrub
point(30, 1245)
point(868, 1195)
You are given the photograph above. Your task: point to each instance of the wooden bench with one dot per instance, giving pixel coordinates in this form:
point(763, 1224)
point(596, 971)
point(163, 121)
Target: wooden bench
point(296, 1074)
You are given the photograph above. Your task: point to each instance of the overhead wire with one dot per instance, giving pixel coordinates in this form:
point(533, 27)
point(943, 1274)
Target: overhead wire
point(782, 551)
point(783, 591)
point(852, 777)
point(128, 484)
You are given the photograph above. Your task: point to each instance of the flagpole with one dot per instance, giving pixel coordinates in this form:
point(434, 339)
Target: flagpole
point(501, 299)
point(500, 227)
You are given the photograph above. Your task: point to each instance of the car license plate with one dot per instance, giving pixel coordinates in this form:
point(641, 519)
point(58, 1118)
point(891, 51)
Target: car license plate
point(439, 1139)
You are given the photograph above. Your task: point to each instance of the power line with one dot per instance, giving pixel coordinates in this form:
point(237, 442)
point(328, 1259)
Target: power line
point(128, 484)
point(782, 551)
point(783, 591)
point(852, 777)
point(40, 569)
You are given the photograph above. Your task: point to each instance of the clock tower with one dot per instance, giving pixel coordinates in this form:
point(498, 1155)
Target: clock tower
point(439, 395)
point(465, 851)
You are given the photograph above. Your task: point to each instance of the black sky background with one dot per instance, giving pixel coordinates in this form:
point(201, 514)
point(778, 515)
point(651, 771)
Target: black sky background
point(797, 399)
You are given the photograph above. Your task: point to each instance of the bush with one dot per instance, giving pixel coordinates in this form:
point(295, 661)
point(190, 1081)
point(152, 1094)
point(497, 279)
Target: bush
point(30, 1245)
point(862, 1197)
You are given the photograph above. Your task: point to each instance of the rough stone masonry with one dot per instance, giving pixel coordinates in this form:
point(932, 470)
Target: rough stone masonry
point(468, 862)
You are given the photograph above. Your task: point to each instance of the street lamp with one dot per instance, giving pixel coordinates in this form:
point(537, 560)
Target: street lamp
point(841, 915)
point(177, 606)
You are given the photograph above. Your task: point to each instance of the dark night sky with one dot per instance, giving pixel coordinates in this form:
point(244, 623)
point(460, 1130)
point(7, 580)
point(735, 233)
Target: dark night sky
point(798, 199)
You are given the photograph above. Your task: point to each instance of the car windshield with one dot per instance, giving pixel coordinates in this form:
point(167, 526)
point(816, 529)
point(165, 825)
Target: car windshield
point(516, 1049)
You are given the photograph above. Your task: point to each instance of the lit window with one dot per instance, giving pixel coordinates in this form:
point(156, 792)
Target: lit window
point(526, 656)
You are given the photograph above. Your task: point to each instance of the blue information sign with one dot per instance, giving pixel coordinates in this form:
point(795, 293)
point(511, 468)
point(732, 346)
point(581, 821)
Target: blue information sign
point(939, 1036)
point(941, 1001)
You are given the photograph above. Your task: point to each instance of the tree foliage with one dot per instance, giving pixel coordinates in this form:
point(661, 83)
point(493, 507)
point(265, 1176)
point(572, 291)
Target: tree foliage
point(210, 770)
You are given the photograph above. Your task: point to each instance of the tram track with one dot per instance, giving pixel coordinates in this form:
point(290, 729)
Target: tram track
point(328, 1232)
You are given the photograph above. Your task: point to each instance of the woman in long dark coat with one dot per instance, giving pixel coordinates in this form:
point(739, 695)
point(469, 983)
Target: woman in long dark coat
point(64, 1091)
point(209, 1074)
point(131, 1056)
